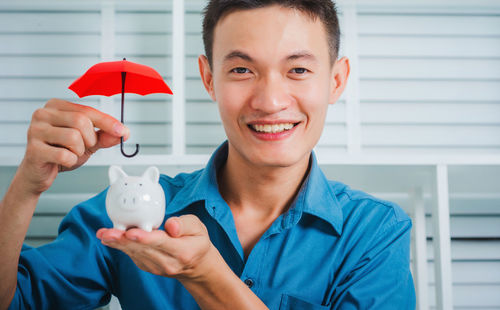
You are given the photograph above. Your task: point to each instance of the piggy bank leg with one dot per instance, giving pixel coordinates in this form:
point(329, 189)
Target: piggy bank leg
point(146, 227)
point(119, 226)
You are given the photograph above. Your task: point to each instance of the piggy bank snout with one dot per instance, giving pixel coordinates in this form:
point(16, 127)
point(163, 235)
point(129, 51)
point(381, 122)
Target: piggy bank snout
point(129, 200)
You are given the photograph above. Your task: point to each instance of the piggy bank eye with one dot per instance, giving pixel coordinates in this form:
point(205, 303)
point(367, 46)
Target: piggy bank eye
point(125, 183)
point(140, 184)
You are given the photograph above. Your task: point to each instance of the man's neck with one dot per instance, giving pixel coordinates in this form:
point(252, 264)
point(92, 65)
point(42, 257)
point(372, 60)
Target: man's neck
point(259, 192)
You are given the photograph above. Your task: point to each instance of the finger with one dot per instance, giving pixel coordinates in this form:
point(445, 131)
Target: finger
point(100, 120)
point(173, 227)
point(185, 225)
point(116, 244)
point(105, 140)
point(110, 234)
point(150, 259)
point(56, 155)
point(69, 138)
point(132, 248)
point(157, 262)
point(155, 238)
point(100, 232)
point(66, 119)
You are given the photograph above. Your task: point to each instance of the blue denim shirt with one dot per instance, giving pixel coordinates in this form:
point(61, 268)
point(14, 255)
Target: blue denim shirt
point(335, 248)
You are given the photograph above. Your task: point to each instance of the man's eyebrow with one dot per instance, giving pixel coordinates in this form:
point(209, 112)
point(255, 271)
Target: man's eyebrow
point(238, 54)
point(299, 55)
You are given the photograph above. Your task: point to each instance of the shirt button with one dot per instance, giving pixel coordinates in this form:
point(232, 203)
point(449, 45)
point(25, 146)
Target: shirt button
point(249, 282)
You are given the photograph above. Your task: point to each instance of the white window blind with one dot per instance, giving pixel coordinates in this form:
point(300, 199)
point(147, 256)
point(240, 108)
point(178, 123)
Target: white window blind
point(419, 123)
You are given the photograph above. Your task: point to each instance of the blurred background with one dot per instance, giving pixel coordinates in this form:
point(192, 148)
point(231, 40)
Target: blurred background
point(419, 123)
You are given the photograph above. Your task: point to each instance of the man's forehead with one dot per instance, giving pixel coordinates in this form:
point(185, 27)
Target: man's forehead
point(244, 33)
point(275, 14)
point(268, 9)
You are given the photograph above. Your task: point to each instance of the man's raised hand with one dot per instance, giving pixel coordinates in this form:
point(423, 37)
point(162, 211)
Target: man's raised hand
point(62, 136)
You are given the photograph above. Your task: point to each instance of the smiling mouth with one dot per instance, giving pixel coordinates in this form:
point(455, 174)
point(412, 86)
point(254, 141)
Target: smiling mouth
point(272, 128)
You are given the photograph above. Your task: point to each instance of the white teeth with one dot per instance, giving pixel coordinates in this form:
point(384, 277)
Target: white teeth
point(275, 128)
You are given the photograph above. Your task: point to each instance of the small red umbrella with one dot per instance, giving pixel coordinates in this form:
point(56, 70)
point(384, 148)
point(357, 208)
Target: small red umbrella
point(108, 78)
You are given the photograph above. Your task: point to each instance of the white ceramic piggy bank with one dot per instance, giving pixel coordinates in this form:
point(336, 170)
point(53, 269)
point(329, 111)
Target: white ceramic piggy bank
point(134, 201)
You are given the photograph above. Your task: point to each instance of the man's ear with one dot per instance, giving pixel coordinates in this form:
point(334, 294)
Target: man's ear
point(340, 74)
point(206, 75)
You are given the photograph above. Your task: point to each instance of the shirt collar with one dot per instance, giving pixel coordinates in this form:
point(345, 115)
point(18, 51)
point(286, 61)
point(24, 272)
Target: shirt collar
point(318, 197)
point(203, 186)
point(315, 197)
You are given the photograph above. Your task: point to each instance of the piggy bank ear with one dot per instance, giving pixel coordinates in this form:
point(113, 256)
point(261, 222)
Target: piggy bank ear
point(152, 174)
point(115, 173)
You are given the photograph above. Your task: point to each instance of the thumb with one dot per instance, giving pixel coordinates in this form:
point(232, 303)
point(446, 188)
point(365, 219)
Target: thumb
point(185, 225)
point(105, 140)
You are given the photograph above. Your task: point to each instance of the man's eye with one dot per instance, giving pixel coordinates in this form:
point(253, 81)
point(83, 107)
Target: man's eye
point(299, 70)
point(240, 70)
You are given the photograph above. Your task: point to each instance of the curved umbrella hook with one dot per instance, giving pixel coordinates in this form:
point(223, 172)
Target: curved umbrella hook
point(124, 74)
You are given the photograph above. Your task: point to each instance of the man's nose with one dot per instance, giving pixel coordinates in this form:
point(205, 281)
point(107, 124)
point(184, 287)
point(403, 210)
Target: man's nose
point(271, 95)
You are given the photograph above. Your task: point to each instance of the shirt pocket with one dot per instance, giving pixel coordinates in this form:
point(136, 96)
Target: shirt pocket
point(289, 302)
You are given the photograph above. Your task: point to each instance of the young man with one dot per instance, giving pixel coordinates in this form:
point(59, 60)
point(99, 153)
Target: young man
point(259, 227)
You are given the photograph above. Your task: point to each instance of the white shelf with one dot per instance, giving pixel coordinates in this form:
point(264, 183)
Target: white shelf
point(356, 160)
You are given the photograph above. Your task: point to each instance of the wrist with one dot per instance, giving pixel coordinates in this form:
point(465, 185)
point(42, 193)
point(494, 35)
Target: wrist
point(218, 287)
point(19, 191)
point(208, 270)
point(23, 183)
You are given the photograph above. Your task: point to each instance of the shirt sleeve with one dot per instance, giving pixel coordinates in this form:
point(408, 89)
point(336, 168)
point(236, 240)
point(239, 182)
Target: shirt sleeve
point(72, 272)
point(381, 279)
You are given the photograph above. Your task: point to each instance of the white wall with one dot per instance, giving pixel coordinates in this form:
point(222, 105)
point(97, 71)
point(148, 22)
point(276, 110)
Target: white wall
point(424, 91)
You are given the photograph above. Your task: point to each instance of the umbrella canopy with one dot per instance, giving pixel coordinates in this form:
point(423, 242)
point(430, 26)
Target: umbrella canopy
point(105, 79)
point(114, 77)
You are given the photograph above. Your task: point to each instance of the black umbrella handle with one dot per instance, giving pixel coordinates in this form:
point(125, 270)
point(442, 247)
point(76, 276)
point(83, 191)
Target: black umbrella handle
point(124, 75)
point(127, 155)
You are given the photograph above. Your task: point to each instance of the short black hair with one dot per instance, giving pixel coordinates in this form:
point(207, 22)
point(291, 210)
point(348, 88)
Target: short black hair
point(325, 10)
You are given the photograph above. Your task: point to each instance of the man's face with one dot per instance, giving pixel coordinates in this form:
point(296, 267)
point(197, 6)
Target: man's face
point(273, 78)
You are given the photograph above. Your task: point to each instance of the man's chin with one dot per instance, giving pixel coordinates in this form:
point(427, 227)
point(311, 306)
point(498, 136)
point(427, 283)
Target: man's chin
point(282, 159)
point(268, 155)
